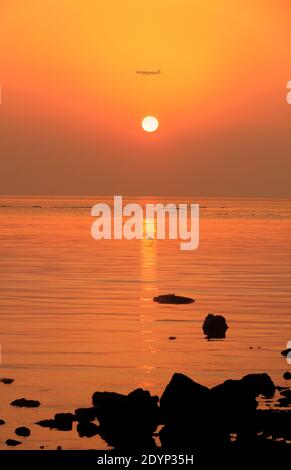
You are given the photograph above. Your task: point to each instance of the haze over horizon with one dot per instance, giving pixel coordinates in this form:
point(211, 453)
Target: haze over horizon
point(72, 103)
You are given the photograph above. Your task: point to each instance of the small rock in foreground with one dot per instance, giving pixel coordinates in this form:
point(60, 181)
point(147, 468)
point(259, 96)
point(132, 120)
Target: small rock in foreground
point(7, 381)
point(87, 429)
point(22, 431)
point(12, 442)
point(23, 402)
point(61, 422)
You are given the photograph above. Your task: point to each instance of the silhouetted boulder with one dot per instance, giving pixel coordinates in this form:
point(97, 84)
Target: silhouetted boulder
point(214, 326)
point(235, 401)
point(85, 414)
point(173, 299)
point(181, 396)
point(64, 421)
point(287, 376)
point(189, 416)
point(61, 422)
point(22, 402)
point(22, 431)
point(2, 422)
point(7, 381)
point(202, 418)
point(12, 442)
point(127, 421)
point(47, 423)
point(259, 384)
point(87, 429)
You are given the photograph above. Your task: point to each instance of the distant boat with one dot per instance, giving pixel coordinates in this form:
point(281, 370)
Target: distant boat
point(173, 299)
point(149, 72)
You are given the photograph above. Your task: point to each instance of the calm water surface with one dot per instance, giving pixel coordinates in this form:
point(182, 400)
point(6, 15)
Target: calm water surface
point(76, 314)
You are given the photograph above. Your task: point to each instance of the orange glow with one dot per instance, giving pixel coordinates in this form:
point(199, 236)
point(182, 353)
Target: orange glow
point(71, 81)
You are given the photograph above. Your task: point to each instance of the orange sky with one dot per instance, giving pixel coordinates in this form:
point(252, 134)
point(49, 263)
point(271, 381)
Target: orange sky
point(72, 103)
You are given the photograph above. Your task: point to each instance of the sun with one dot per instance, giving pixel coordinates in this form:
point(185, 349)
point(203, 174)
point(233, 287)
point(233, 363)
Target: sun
point(150, 124)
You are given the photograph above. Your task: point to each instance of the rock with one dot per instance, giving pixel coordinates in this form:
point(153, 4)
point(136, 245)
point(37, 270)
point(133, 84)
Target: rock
point(22, 431)
point(286, 352)
point(127, 421)
point(85, 414)
point(187, 411)
point(287, 376)
point(7, 381)
point(64, 421)
point(180, 397)
point(47, 423)
point(259, 384)
point(61, 422)
point(201, 418)
point(41, 447)
point(12, 442)
point(235, 402)
point(173, 299)
point(172, 337)
point(87, 429)
point(22, 402)
point(214, 326)
point(2, 422)
point(59, 448)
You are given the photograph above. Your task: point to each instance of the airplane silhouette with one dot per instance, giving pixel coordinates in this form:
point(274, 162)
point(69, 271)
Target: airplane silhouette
point(149, 72)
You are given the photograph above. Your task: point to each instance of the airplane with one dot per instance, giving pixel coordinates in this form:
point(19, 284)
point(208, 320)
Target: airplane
point(149, 72)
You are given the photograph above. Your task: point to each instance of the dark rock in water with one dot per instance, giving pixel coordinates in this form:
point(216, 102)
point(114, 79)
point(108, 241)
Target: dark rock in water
point(2, 422)
point(22, 402)
point(64, 421)
point(127, 421)
point(87, 429)
point(202, 418)
point(188, 415)
point(235, 401)
point(22, 431)
point(181, 395)
point(244, 391)
point(173, 299)
point(7, 381)
point(41, 447)
point(61, 422)
point(259, 384)
point(172, 337)
point(59, 448)
point(85, 414)
point(214, 326)
point(46, 423)
point(12, 442)
point(286, 352)
point(287, 376)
